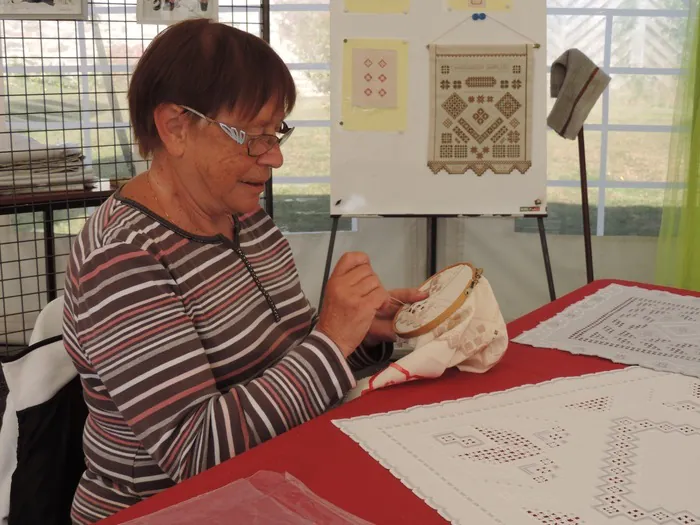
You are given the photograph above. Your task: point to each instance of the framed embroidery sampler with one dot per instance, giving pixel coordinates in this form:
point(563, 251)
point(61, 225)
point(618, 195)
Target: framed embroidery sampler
point(481, 109)
point(435, 111)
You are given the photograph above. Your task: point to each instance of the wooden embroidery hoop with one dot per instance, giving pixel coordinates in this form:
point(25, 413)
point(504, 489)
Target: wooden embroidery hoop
point(447, 312)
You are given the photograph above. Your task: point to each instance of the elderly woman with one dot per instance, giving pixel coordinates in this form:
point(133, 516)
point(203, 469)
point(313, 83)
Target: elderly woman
point(184, 313)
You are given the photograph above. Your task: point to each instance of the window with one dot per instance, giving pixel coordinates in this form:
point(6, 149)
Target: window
point(638, 42)
point(300, 33)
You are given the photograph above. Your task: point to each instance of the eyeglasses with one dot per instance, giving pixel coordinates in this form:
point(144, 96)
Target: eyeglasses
point(257, 144)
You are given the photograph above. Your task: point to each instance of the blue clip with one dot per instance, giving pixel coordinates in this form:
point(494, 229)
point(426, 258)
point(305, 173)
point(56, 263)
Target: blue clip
point(478, 16)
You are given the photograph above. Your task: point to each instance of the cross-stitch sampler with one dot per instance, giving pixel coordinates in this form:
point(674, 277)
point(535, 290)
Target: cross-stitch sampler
point(618, 448)
point(419, 135)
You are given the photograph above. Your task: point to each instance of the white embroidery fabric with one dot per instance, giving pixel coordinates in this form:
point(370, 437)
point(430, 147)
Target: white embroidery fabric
point(473, 339)
point(627, 324)
point(615, 447)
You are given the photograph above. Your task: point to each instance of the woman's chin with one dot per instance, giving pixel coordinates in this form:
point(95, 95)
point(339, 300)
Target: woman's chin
point(245, 205)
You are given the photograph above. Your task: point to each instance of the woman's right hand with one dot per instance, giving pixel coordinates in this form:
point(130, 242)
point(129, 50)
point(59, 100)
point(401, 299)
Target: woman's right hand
point(353, 296)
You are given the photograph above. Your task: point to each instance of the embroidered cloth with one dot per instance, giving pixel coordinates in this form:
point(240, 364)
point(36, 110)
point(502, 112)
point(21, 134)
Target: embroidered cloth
point(374, 83)
point(626, 324)
point(611, 448)
point(473, 339)
point(480, 108)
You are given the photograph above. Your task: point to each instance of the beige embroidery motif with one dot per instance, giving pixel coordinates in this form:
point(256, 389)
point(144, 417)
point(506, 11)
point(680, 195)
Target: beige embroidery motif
point(481, 109)
point(440, 297)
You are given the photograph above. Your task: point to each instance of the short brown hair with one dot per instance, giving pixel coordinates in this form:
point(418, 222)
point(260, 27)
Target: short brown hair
point(209, 67)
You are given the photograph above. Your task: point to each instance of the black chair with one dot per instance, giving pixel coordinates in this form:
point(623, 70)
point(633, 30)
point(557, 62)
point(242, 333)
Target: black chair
point(41, 450)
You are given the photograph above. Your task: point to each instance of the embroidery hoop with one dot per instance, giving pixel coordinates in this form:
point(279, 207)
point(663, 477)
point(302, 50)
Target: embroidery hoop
point(447, 311)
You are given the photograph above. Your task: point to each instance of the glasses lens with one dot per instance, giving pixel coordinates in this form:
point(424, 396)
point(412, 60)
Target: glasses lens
point(262, 144)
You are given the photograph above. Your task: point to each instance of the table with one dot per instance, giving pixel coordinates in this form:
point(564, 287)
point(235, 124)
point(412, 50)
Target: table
point(337, 469)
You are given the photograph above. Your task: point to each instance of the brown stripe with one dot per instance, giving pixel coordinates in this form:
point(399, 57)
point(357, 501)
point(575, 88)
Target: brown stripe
point(578, 98)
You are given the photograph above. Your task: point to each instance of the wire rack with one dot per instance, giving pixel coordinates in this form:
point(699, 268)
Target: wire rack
point(65, 139)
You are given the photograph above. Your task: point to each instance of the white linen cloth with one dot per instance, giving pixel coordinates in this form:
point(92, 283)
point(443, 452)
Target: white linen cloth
point(473, 339)
point(627, 324)
point(616, 448)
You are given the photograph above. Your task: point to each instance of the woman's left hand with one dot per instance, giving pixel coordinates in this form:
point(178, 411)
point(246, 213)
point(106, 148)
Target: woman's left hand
point(382, 329)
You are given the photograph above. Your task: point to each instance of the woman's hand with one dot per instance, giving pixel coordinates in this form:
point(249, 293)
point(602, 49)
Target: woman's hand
point(382, 327)
point(354, 295)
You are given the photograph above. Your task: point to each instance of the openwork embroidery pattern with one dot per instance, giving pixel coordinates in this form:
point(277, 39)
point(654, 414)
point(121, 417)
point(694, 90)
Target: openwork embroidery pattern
point(630, 325)
point(443, 289)
point(481, 109)
point(614, 447)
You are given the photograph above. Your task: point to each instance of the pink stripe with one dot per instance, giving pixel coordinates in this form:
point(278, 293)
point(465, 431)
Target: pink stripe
point(127, 315)
point(270, 350)
point(300, 388)
point(209, 286)
point(95, 395)
point(241, 418)
point(110, 437)
point(167, 402)
point(268, 255)
point(170, 250)
point(184, 436)
point(230, 301)
point(267, 386)
point(110, 263)
point(146, 335)
point(224, 277)
point(99, 503)
point(109, 220)
point(105, 419)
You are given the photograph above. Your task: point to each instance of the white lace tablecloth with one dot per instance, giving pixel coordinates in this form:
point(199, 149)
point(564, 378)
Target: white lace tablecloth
point(619, 447)
point(630, 325)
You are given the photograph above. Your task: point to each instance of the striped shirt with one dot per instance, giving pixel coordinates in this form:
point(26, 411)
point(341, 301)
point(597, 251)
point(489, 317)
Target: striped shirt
point(191, 350)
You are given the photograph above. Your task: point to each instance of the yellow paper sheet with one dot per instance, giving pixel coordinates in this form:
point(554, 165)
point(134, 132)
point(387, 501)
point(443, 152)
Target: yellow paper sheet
point(377, 6)
point(375, 119)
point(486, 5)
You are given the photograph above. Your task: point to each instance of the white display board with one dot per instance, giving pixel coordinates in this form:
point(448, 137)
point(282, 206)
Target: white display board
point(383, 131)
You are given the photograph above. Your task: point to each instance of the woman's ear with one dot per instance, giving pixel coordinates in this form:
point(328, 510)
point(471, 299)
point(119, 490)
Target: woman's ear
point(173, 127)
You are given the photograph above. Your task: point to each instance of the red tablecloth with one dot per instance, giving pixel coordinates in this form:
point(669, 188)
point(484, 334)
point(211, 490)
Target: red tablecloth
point(335, 468)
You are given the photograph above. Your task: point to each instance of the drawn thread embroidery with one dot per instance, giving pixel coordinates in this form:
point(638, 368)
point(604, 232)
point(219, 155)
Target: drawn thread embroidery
point(492, 109)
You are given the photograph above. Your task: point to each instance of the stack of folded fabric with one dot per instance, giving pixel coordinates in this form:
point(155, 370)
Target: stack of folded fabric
point(28, 166)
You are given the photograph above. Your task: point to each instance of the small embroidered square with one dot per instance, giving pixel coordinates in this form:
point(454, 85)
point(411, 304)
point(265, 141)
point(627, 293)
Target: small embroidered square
point(374, 83)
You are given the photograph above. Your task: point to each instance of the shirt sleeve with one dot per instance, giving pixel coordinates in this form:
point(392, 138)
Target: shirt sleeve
point(364, 357)
point(134, 331)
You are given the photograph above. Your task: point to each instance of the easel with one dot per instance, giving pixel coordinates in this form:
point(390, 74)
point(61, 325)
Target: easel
point(585, 209)
point(431, 247)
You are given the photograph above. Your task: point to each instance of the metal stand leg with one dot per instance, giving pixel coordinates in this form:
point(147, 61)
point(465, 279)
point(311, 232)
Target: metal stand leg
point(547, 262)
point(50, 253)
point(432, 246)
point(584, 206)
point(329, 260)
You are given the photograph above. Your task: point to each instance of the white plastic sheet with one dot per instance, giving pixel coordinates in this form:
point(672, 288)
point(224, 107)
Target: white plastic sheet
point(265, 498)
